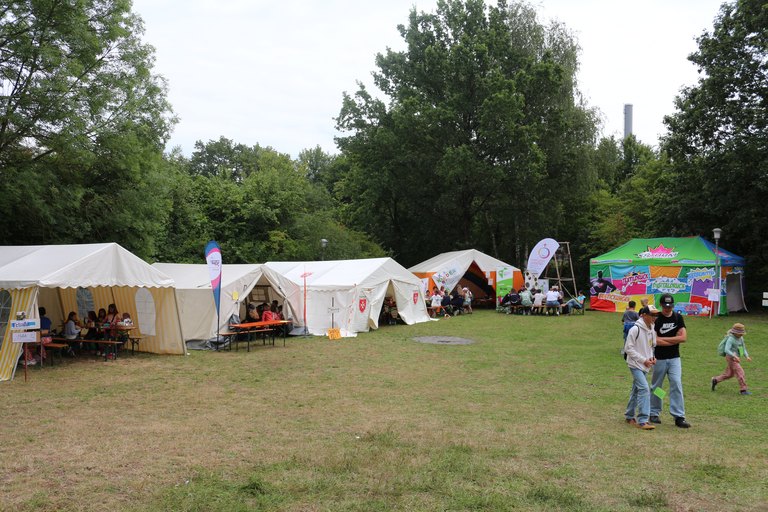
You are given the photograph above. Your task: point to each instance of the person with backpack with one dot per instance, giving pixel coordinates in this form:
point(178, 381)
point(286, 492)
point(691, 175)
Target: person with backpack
point(641, 340)
point(670, 333)
point(732, 347)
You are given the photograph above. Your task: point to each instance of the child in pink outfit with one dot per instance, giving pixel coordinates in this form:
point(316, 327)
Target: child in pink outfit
point(734, 349)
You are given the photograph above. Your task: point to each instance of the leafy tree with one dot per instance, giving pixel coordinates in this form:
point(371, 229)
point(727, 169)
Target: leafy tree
point(224, 158)
point(82, 125)
point(483, 143)
point(258, 204)
point(718, 137)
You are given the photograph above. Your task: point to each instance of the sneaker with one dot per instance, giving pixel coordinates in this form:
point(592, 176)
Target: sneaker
point(656, 420)
point(745, 392)
point(681, 423)
point(645, 426)
point(714, 383)
point(631, 421)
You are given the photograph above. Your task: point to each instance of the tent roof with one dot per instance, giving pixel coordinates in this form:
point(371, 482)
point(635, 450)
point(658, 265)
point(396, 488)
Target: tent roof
point(342, 273)
point(193, 276)
point(70, 266)
point(693, 250)
point(461, 259)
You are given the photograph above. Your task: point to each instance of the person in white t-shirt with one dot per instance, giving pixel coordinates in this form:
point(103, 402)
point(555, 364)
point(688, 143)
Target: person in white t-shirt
point(553, 300)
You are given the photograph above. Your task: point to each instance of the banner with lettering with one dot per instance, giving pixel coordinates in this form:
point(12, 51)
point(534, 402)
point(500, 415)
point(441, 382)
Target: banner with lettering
point(685, 268)
point(213, 259)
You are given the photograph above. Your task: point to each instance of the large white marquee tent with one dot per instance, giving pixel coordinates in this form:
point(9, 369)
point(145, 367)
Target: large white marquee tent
point(197, 308)
point(347, 294)
point(65, 278)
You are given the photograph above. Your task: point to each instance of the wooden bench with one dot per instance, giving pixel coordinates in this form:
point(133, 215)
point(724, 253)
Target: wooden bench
point(54, 348)
point(135, 340)
point(233, 337)
point(110, 346)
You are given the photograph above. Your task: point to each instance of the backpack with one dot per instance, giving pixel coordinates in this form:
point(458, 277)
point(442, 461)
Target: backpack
point(626, 325)
point(721, 347)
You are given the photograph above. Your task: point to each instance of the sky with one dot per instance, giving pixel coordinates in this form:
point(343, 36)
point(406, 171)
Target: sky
point(273, 73)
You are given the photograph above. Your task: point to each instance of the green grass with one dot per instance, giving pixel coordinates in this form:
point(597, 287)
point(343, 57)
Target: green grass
point(529, 417)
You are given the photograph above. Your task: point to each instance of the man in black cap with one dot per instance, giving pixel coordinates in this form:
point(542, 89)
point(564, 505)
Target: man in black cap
point(670, 332)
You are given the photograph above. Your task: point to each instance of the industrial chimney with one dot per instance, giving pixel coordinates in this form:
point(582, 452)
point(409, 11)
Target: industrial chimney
point(627, 120)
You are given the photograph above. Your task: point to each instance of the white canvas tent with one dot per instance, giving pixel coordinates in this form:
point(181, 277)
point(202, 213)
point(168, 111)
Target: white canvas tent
point(484, 275)
point(197, 308)
point(347, 294)
point(65, 278)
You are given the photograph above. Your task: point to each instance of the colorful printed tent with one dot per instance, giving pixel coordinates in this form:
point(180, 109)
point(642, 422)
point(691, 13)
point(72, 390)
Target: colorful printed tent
point(347, 293)
point(684, 267)
point(65, 278)
point(485, 276)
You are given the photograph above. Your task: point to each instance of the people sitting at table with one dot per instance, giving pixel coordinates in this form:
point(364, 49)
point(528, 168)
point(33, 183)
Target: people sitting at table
point(45, 322)
point(111, 321)
point(388, 314)
point(101, 323)
point(72, 326)
point(436, 301)
point(92, 332)
point(509, 302)
point(91, 319)
point(445, 301)
point(526, 300)
point(457, 302)
point(127, 320)
point(268, 314)
point(553, 300)
point(45, 331)
point(253, 314)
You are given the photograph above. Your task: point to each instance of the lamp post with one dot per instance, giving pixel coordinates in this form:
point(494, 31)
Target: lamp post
point(716, 235)
point(323, 245)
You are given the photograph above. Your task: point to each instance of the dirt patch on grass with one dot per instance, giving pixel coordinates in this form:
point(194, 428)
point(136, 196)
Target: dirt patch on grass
point(443, 340)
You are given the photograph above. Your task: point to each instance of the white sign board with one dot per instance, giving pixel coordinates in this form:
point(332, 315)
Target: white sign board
point(713, 295)
point(26, 337)
point(29, 323)
point(334, 310)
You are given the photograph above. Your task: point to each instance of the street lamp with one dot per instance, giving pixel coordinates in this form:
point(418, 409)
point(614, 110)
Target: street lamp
point(323, 245)
point(716, 235)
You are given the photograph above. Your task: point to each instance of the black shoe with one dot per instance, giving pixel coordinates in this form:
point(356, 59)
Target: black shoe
point(655, 419)
point(714, 383)
point(680, 422)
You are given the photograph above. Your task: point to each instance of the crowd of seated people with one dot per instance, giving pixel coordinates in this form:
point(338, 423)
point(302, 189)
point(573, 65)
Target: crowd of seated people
point(441, 303)
point(535, 301)
point(108, 325)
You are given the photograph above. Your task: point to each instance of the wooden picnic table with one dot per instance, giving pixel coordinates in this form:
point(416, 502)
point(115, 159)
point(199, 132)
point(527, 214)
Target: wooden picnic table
point(268, 326)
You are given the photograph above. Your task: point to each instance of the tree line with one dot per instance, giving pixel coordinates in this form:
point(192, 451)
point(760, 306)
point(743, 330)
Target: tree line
point(482, 140)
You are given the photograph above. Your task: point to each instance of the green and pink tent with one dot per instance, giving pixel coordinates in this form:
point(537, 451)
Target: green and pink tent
point(684, 267)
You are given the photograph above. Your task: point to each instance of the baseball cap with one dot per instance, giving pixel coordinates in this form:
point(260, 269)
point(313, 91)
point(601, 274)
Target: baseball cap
point(648, 310)
point(666, 300)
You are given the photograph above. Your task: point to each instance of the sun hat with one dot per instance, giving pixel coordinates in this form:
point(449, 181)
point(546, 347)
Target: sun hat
point(648, 310)
point(738, 329)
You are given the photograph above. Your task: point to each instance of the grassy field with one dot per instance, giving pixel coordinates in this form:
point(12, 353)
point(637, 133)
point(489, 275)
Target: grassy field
point(528, 417)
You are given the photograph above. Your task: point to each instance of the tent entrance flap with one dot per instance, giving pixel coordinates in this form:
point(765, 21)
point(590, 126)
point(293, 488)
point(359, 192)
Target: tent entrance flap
point(735, 293)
